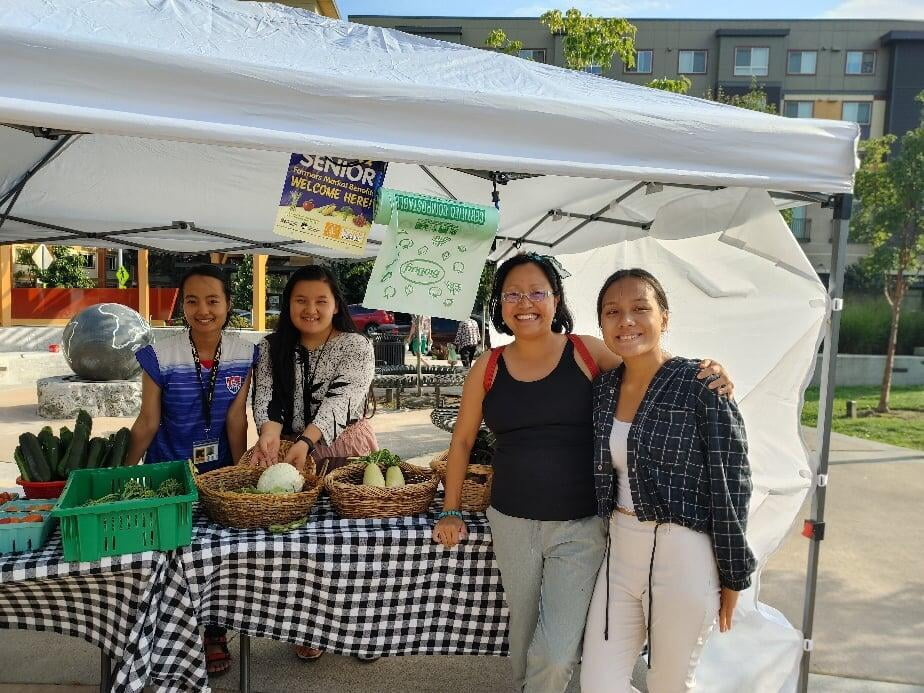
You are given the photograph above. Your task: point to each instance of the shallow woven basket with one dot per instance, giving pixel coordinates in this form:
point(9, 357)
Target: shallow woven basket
point(353, 500)
point(221, 502)
point(476, 489)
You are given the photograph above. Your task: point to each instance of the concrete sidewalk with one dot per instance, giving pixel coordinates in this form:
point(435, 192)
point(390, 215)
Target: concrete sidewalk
point(869, 625)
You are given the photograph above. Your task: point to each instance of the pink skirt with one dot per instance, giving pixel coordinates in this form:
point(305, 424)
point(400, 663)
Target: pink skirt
point(356, 439)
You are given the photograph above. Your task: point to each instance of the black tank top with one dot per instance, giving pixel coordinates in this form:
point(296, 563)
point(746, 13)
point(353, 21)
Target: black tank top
point(542, 462)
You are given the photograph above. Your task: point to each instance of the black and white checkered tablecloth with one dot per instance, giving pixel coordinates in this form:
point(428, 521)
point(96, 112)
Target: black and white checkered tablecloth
point(126, 605)
point(358, 587)
point(367, 587)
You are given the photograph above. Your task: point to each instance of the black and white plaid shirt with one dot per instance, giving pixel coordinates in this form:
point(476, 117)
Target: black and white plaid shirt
point(687, 459)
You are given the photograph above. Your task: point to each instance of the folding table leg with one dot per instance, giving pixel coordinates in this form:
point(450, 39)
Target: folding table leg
point(105, 673)
point(244, 641)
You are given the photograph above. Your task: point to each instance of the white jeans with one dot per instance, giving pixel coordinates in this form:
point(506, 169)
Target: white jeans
point(685, 605)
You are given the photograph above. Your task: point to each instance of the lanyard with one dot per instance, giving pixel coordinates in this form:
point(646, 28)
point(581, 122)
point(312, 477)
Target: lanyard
point(207, 395)
point(308, 382)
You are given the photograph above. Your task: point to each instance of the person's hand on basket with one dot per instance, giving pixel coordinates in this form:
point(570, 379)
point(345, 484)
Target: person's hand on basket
point(449, 529)
point(298, 455)
point(266, 451)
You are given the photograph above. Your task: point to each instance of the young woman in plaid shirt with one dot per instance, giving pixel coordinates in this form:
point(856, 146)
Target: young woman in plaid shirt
point(536, 395)
point(672, 480)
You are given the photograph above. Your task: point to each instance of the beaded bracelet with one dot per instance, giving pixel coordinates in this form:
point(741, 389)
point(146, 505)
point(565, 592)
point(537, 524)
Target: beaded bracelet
point(449, 513)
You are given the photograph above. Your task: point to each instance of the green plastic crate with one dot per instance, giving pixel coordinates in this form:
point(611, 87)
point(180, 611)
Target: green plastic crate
point(113, 529)
point(16, 538)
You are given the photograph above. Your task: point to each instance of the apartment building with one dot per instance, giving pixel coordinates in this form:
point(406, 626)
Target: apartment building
point(866, 71)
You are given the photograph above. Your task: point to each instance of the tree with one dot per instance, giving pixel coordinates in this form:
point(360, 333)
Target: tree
point(65, 270)
point(353, 278)
point(242, 283)
point(889, 215)
point(677, 86)
point(755, 99)
point(592, 40)
point(498, 40)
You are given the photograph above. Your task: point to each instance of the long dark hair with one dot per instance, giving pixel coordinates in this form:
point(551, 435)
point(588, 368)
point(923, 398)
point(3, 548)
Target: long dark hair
point(212, 272)
point(285, 341)
point(635, 273)
point(562, 322)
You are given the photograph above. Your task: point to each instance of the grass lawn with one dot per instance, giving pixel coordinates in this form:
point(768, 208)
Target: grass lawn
point(903, 426)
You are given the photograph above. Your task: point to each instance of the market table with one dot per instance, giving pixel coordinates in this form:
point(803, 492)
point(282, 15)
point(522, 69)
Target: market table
point(125, 605)
point(374, 587)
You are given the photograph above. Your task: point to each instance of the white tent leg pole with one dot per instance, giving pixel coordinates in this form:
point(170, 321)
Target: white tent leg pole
point(840, 230)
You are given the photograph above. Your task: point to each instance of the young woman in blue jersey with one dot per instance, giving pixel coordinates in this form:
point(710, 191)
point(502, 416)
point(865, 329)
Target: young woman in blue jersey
point(194, 389)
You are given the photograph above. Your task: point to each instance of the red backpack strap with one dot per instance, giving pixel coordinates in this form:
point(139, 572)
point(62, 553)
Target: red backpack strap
point(584, 353)
point(491, 369)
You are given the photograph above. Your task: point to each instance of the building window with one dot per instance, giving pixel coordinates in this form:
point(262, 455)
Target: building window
point(691, 62)
point(88, 261)
point(643, 63)
point(859, 112)
point(799, 109)
point(112, 262)
point(800, 225)
point(801, 62)
point(860, 63)
point(752, 62)
point(534, 54)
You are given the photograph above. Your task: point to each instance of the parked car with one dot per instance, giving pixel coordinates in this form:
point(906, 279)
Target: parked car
point(369, 320)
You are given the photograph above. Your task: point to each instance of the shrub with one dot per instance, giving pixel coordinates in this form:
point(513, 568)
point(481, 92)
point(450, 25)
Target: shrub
point(865, 328)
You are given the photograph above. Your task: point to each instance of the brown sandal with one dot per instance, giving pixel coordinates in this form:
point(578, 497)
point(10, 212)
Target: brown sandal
point(220, 659)
point(308, 654)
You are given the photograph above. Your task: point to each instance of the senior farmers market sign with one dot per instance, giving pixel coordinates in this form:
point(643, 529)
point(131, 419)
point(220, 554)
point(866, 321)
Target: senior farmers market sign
point(328, 201)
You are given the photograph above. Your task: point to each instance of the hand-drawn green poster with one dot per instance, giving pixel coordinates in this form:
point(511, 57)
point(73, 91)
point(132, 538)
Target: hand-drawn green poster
point(432, 256)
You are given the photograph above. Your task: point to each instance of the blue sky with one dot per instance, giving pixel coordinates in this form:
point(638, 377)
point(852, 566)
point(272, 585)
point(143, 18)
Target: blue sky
point(787, 9)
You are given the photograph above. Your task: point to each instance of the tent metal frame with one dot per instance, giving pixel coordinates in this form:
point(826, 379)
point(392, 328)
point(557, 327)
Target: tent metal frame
point(841, 203)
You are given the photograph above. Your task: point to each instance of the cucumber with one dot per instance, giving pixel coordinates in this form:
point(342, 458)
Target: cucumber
point(119, 448)
point(21, 463)
point(66, 436)
point(85, 419)
point(33, 457)
point(77, 452)
point(95, 452)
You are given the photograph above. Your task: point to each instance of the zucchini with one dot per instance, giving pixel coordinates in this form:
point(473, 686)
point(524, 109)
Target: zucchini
point(95, 452)
point(119, 448)
point(49, 448)
point(33, 457)
point(21, 463)
point(85, 419)
point(77, 452)
point(66, 436)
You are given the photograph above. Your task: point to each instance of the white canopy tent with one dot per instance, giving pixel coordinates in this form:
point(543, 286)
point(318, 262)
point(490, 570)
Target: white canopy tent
point(168, 125)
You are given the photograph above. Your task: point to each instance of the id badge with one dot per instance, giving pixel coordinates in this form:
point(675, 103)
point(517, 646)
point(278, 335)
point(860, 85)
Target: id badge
point(205, 452)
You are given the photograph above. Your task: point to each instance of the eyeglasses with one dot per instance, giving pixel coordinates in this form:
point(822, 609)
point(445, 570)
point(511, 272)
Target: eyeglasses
point(532, 296)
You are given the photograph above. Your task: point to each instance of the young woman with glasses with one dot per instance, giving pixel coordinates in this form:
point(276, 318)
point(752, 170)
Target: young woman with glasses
point(535, 394)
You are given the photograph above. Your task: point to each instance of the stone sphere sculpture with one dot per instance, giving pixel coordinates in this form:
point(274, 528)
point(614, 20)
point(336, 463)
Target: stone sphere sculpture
point(100, 342)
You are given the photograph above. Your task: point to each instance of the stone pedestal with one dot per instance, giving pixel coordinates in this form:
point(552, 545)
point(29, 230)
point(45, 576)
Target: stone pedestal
point(60, 397)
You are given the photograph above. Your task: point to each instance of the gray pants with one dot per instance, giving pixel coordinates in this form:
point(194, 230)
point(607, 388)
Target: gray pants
point(548, 569)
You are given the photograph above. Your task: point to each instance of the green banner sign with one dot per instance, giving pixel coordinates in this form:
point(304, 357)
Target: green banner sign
point(433, 254)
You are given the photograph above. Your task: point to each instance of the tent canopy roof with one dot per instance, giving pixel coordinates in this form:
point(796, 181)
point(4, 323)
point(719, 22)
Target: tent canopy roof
point(193, 106)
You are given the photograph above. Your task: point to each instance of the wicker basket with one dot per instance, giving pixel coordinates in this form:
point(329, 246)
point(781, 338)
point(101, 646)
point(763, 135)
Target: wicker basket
point(476, 489)
point(218, 496)
point(353, 500)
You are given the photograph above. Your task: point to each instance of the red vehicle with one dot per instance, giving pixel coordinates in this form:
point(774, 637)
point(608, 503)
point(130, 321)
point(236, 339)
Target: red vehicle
point(368, 320)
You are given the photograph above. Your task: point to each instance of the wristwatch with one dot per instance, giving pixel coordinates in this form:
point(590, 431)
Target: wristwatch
point(310, 443)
